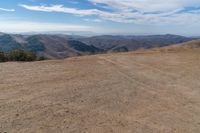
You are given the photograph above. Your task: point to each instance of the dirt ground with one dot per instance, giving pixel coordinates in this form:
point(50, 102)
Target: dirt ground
point(148, 92)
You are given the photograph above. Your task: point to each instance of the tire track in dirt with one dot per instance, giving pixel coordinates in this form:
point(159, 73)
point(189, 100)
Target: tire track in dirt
point(182, 93)
point(119, 68)
point(129, 77)
point(168, 74)
point(172, 77)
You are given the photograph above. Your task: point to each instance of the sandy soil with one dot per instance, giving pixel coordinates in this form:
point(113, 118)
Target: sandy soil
point(148, 92)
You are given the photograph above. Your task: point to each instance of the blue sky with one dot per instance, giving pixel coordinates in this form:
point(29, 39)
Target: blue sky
point(101, 16)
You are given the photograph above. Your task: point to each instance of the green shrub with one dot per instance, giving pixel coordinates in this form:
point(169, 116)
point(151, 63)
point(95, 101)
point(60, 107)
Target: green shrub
point(3, 57)
point(21, 55)
point(41, 58)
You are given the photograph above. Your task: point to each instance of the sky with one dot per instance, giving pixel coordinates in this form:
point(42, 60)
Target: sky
point(137, 17)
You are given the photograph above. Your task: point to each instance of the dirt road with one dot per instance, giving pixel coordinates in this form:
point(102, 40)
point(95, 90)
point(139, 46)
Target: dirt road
point(119, 93)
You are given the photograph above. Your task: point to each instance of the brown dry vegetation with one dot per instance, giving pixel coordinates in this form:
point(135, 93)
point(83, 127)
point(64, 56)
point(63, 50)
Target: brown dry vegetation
point(125, 93)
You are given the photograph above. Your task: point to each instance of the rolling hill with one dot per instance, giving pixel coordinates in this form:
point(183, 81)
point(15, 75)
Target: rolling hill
point(142, 91)
point(50, 46)
point(131, 43)
point(193, 45)
point(62, 46)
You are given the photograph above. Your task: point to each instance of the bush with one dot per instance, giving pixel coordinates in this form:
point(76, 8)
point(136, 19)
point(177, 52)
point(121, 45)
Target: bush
point(3, 57)
point(21, 55)
point(41, 58)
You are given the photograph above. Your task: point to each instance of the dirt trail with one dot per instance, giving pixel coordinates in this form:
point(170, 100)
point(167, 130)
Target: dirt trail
point(130, 92)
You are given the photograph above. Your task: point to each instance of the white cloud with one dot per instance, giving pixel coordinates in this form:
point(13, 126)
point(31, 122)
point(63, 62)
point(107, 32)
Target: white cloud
point(148, 5)
point(61, 8)
point(133, 11)
point(150, 11)
point(93, 20)
point(7, 10)
point(40, 27)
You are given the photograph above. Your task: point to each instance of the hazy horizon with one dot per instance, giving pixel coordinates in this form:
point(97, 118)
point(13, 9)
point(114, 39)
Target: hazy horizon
point(90, 34)
point(99, 17)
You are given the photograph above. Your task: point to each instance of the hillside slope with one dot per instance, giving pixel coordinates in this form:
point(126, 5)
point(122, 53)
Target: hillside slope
point(63, 46)
point(57, 47)
point(193, 45)
point(129, 92)
point(130, 43)
point(50, 46)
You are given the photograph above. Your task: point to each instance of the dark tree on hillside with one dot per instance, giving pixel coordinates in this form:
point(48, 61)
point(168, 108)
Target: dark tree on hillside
point(3, 57)
point(21, 55)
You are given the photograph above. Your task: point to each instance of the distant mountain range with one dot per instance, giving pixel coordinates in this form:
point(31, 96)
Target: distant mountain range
point(63, 46)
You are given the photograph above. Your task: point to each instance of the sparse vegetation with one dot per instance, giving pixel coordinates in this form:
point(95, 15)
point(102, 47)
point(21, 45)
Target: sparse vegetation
point(3, 58)
point(19, 55)
point(41, 58)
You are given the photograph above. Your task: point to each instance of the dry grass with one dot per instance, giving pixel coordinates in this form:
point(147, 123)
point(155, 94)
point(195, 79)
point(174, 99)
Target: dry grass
point(125, 93)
